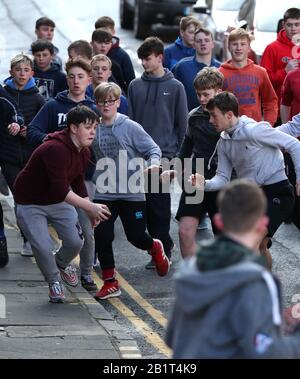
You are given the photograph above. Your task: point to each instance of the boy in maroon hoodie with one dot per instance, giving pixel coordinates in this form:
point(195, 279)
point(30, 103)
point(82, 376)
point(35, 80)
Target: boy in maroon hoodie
point(279, 57)
point(48, 189)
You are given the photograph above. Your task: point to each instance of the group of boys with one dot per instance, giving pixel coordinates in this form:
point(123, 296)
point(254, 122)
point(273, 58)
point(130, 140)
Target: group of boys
point(52, 183)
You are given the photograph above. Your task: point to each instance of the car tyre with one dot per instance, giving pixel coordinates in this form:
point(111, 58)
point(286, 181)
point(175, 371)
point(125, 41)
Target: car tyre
point(126, 15)
point(140, 29)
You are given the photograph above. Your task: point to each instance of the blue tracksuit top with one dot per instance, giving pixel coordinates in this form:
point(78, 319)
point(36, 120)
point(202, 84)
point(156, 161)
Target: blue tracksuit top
point(175, 52)
point(185, 71)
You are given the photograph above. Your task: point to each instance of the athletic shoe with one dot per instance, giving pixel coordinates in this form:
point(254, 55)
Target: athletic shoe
point(26, 250)
point(162, 263)
point(151, 264)
point(69, 275)
point(88, 283)
point(3, 253)
point(56, 293)
point(109, 289)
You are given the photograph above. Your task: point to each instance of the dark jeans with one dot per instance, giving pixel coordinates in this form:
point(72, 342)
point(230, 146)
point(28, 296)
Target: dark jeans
point(1, 217)
point(133, 217)
point(290, 170)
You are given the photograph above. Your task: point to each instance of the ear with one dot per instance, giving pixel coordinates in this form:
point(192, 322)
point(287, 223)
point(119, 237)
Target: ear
point(262, 224)
point(218, 222)
point(73, 128)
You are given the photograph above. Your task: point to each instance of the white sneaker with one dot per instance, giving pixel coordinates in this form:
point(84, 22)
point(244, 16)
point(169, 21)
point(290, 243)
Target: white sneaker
point(26, 250)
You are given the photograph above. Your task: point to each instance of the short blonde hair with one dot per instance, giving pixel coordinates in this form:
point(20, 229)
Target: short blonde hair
point(21, 58)
point(208, 78)
point(100, 58)
point(239, 34)
point(103, 90)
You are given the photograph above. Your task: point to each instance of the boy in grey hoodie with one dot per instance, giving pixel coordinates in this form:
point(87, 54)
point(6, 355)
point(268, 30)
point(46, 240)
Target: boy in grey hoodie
point(158, 102)
point(120, 146)
point(253, 149)
point(227, 305)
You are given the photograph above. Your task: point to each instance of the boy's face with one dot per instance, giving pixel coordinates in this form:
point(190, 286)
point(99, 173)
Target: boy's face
point(239, 49)
point(84, 133)
point(152, 63)
point(101, 47)
point(220, 120)
point(108, 107)
point(187, 35)
point(21, 74)
point(205, 95)
point(45, 32)
point(101, 72)
point(292, 27)
point(203, 43)
point(43, 59)
point(78, 80)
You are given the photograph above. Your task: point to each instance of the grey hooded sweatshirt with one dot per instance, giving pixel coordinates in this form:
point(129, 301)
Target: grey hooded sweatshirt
point(128, 144)
point(227, 309)
point(160, 106)
point(253, 149)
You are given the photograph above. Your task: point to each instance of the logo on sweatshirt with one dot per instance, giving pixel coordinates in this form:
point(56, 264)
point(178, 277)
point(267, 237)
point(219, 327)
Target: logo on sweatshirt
point(262, 343)
point(166, 93)
point(139, 215)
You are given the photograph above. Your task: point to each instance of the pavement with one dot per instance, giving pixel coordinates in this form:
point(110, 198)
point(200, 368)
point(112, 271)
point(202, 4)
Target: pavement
point(31, 327)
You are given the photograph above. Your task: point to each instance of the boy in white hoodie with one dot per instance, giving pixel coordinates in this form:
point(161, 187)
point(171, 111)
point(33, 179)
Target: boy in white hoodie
point(253, 149)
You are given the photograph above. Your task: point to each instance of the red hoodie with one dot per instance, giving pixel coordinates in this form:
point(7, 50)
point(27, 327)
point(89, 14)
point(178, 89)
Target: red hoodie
point(252, 86)
point(275, 57)
point(53, 168)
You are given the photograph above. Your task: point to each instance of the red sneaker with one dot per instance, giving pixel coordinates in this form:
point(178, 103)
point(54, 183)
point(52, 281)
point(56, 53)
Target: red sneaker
point(109, 289)
point(161, 261)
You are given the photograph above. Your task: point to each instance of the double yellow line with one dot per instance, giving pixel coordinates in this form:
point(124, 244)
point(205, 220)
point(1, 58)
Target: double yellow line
point(151, 337)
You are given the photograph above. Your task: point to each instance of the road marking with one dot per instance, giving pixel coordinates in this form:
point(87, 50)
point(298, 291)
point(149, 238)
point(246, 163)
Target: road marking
point(143, 303)
point(150, 336)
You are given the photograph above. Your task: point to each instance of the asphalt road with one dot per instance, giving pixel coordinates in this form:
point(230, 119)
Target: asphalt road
point(146, 299)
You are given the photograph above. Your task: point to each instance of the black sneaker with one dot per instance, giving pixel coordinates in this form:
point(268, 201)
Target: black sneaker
point(3, 253)
point(88, 283)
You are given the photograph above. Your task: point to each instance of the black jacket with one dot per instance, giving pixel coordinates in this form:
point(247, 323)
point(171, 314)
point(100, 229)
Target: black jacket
point(200, 141)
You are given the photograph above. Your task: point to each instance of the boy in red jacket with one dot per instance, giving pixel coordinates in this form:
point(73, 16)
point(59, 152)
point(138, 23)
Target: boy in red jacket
point(249, 82)
point(278, 58)
point(48, 189)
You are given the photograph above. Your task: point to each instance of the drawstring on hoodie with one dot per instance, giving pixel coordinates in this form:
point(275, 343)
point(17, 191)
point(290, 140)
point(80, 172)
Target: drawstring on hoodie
point(211, 158)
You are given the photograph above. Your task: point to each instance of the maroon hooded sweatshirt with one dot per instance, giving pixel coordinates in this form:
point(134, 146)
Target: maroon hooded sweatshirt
point(54, 168)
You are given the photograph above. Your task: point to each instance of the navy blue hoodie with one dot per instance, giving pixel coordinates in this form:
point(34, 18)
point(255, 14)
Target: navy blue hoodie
point(120, 56)
point(52, 117)
point(11, 147)
point(175, 52)
point(50, 82)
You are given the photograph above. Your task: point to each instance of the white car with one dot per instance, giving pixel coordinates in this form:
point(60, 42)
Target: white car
point(266, 17)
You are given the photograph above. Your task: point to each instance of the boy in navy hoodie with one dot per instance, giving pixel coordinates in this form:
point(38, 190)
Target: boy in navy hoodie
point(183, 47)
point(47, 74)
point(23, 90)
point(116, 52)
point(52, 117)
